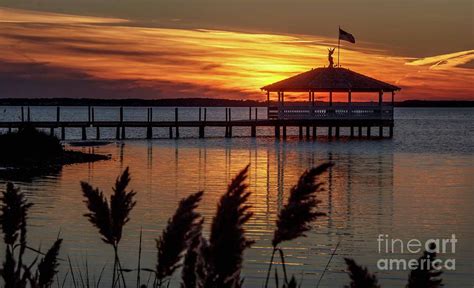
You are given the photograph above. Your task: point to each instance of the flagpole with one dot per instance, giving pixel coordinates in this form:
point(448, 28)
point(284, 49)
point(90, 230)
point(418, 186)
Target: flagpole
point(338, 44)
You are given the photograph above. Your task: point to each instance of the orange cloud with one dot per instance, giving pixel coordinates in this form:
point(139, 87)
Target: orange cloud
point(192, 63)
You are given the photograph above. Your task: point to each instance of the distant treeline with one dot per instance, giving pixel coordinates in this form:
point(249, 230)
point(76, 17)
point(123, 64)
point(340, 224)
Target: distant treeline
point(191, 102)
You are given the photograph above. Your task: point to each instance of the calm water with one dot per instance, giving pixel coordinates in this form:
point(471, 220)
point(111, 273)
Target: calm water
point(417, 185)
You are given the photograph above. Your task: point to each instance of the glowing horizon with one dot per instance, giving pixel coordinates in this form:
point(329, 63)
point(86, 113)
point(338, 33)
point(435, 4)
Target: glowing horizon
point(115, 58)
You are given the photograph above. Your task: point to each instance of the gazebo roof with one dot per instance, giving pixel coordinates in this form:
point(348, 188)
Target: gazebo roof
point(330, 79)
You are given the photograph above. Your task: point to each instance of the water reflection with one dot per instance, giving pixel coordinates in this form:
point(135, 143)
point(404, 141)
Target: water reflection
point(359, 200)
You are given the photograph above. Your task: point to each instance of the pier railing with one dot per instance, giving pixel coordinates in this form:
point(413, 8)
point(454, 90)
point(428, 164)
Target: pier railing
point(369, 112)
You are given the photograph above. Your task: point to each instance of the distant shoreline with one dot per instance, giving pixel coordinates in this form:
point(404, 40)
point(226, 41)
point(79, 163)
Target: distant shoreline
point(193, 102)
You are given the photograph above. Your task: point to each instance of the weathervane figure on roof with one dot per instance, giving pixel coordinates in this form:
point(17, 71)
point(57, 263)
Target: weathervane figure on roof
point(331, 61)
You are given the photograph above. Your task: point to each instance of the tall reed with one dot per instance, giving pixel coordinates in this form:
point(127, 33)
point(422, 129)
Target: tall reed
point(227, 241)
point(425, 275)
point(360, 276)
point(296, 216)
point(176, 237)
point(110, 217)
point(13, 219)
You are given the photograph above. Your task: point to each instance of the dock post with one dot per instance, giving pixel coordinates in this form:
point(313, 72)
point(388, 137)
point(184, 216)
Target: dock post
point(9, 129)
point(230, 121)
point(63, 133)
point(256, 113)
point(171, 132)
point(314, 132)
point(381, 131)
point(253, 131)
point(330, 131)
point(176, 121)
point(300, 132)
point(277, 132)
point(122, 136)
point(92, 115)
point(51, 130)
point(28, 115)
point(205, 114)
point(58, 114)
point(352, 131)
point(391, 131)
point(84, 133)
point(117, 133)
point(307, 133)
point(200, 114)
point(250, 113)
point(360, 131)
point(284, 132)
point(149, 132)
point(149, 129)
point(89, 118)
point(226, 123)
point(368, 131)
point(22, 114)
point(123, 132)
point(201, 131)
point(337, 132)
point(97, 132)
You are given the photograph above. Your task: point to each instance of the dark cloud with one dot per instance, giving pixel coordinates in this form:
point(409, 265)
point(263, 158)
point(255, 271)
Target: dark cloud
point(41, 80)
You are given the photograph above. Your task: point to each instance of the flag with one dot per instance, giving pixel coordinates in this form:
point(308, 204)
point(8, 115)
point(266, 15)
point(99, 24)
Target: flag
point(343, 35)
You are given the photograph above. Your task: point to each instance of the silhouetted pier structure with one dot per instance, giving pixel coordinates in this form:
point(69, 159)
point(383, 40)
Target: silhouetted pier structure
point(280, 115)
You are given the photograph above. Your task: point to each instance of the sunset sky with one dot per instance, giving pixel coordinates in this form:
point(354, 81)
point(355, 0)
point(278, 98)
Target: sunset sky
point(229, 49)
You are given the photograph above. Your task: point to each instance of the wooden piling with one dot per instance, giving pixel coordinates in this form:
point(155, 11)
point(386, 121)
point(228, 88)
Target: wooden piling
point(307, 133)
point(380, 131)
point(368, 131)
point(84, 133)
point(284, 132)
point(63, 133)
point(117, 133)
point(176, 121)
point(337, 132)
point(253, 131)
point(300, 132)
point(352, 131)
point(97, 132)
point(201, 131)
point(330, 132)
point(314, 132)
point(360, 132)
point(149, 132)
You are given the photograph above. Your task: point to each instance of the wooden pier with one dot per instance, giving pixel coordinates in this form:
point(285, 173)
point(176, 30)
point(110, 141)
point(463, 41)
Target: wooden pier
point(359, 124)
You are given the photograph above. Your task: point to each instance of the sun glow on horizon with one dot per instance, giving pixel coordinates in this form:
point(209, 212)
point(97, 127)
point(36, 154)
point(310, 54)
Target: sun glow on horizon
point(167, 62)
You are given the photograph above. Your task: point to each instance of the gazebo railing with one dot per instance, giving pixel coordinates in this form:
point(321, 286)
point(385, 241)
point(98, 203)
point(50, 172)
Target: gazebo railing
point(331, 112)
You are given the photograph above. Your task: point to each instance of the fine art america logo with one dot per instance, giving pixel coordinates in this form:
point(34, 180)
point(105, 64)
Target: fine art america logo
point(440, 246)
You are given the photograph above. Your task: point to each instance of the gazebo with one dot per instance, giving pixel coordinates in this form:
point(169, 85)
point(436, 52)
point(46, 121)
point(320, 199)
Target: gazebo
point(329, 80)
